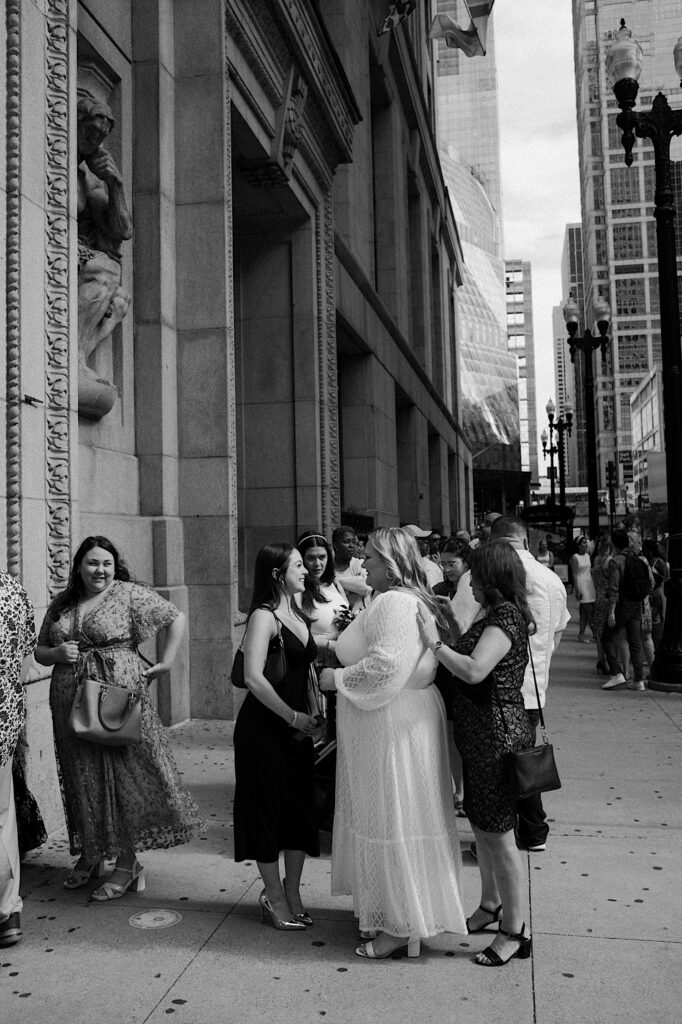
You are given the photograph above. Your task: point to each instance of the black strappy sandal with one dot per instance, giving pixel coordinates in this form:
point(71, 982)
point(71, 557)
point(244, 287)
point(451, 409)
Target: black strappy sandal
point(495, 915)
point(522, 953)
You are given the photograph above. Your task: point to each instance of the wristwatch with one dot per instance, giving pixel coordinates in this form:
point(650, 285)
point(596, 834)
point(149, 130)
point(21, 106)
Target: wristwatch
point(437, 646)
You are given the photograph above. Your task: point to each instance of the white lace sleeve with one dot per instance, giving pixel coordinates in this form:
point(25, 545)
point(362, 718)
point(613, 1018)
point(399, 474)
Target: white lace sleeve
point(394, 648)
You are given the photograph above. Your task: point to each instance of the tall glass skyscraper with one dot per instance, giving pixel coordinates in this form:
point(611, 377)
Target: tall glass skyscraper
point(493, 380)
point(619, 232)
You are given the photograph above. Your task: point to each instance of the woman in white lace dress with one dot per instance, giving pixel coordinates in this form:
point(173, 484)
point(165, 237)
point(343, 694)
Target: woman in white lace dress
point(395, 846)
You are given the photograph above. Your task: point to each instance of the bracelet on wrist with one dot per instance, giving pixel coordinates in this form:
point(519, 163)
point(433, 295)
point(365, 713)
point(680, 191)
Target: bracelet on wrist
point(436, 647)
point(293, 721)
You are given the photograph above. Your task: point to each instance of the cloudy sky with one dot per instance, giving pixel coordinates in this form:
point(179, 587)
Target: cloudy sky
point(540, 181)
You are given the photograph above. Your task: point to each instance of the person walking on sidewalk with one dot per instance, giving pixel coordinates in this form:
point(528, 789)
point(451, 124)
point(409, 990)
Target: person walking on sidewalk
point(546, 596)
point(581, 572)
point(630, 581)
point(17, 640)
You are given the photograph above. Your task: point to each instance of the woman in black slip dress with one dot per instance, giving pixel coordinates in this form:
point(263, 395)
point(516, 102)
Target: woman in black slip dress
point(274, 804)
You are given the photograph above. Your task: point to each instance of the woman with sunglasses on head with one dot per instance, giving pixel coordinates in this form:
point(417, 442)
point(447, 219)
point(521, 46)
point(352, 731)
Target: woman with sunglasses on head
point(324, 600)
point(274, 802)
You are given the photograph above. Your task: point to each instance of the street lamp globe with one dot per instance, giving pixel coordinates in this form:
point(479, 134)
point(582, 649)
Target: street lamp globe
point(544, 437)
point(571, 313)
point(550, 409)
point(624, 59)
point(602, 313)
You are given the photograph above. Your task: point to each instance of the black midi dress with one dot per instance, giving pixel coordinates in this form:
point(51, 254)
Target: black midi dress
point(274, 802)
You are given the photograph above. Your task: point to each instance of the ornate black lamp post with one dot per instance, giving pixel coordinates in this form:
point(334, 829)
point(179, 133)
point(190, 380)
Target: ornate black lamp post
point(559, 427)
point(587, 343)
point(660, 124)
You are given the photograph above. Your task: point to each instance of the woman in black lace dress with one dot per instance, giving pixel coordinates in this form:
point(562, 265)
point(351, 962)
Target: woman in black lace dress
point(274, 802)
point(491, 657)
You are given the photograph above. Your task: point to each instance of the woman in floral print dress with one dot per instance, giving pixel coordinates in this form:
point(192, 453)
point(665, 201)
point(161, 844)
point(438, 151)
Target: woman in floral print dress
point(117, 800)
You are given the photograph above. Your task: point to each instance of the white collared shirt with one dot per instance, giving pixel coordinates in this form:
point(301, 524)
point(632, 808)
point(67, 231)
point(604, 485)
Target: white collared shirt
point(546, 597)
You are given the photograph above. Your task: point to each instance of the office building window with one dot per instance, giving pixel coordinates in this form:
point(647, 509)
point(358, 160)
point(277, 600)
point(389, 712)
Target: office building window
point(630, 296)
point(624, 185)
point(633, 353)
point(627, 241)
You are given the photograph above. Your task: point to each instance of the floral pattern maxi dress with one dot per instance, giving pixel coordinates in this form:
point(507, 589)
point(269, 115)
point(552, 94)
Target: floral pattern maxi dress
point(116, 798)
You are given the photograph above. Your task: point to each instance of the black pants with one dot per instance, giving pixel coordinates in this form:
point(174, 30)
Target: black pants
point(531, 827)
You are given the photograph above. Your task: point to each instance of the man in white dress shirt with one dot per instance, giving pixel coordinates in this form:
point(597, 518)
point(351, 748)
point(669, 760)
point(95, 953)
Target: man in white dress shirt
point(546, 597)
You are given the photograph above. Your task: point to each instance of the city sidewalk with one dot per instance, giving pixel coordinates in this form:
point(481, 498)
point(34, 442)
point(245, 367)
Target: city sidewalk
point(605, 904)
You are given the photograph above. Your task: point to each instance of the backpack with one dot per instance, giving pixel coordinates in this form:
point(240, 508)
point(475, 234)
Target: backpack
point(635, 583)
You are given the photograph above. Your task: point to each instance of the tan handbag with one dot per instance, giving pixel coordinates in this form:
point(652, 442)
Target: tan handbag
point(106, 714)
point(101, 711)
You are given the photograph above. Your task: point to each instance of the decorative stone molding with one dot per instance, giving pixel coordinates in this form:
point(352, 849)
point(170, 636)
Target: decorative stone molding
point(328, 382)
point(274, 170)
point(57, 289)
point(287, 27)
point(13, 288)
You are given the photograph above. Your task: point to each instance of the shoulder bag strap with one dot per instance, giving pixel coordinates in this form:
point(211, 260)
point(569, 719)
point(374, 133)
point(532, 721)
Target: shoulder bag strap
point(537, 693)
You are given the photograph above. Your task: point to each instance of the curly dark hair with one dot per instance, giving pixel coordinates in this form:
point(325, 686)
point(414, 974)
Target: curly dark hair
point(75, 589)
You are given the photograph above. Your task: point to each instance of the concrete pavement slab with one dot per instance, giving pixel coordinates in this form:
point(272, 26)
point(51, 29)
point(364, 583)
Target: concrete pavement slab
point(84, 963)
point(611, 888)
point(259, 974)
point(607, 981)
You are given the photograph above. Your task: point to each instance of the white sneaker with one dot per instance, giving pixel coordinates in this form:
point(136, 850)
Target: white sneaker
point(614, 681)
point(636, 684)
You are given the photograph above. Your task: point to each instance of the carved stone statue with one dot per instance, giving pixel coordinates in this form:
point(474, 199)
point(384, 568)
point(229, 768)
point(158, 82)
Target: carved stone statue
point(104, 223)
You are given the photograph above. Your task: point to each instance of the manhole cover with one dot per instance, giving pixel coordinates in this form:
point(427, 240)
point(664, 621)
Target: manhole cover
point(155, 919)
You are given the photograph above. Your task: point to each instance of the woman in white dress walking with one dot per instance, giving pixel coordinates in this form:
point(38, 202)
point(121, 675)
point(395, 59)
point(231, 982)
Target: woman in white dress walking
point(583, 584)
point(395, 845)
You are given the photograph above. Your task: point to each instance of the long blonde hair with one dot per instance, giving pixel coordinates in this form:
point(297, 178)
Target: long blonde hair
point(399, 551)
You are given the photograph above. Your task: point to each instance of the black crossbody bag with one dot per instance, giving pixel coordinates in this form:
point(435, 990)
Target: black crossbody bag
point(534, 770)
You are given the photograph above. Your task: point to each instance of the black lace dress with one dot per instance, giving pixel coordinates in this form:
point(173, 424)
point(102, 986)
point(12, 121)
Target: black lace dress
point(274, 800)
point(478, 727)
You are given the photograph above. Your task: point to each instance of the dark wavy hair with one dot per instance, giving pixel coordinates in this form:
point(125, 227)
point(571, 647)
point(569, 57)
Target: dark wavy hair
point(271, 559)
point(312, 594)
point(498, 569)
point(75, 588)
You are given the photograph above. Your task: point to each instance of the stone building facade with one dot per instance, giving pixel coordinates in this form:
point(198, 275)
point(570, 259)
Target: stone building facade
point(268, 345)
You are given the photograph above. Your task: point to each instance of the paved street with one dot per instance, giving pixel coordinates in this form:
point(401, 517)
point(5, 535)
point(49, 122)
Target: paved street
point(604, 905)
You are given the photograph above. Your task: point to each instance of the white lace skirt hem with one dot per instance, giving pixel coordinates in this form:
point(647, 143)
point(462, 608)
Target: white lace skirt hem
point(395, 847)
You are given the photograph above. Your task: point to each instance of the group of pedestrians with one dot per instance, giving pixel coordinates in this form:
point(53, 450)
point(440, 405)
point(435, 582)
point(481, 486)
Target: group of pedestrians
point(395, 847)
point(360, 631)
point(620, 587)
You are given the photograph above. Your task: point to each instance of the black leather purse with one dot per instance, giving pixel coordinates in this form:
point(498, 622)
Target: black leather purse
point(533, 770)
point(275, 667)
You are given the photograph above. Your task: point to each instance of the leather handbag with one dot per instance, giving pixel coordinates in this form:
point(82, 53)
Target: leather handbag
point(533, 770)
point(107, 714)
point(274, 670)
